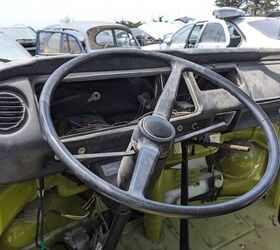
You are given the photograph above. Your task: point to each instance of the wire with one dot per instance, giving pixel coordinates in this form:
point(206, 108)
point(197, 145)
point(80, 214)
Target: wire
point(90, 202)
point(49, 234)
point(68, 216)
point(40, 216)
point(86, 207)
point(101, 215)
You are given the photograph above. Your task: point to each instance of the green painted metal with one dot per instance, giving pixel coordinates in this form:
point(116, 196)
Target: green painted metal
point(152, 223)
point(168, 180)
point(14, 197)
point(252, 228)
point(194, 152)
point(241, 171)
point(21, 232)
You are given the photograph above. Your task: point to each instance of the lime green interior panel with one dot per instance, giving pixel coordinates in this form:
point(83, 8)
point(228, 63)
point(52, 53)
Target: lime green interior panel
point(252, 228)
point(152, 223)
point(241, 172)
point(14, 197)
point(21, 232)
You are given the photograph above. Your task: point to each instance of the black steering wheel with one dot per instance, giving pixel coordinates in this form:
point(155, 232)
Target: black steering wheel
point(153, 138)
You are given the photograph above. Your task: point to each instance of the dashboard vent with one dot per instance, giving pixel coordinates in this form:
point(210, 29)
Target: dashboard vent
point(12, 111)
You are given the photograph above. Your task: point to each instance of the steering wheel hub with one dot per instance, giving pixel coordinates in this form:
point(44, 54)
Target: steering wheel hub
point(157, 128)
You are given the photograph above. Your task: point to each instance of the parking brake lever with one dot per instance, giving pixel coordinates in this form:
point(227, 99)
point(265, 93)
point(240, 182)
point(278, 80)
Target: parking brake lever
point(224, 146)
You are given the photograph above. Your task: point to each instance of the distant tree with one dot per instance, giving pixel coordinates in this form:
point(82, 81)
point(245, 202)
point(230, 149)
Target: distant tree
point(229, 3)
point(260, 7)
point(251, 7)
point(129, 23)
point(160, 19)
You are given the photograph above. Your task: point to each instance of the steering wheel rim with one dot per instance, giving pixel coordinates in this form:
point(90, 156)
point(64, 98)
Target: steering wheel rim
point(136, 201)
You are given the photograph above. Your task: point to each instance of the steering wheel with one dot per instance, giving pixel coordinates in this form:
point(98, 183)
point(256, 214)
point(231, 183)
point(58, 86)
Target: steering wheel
point(153, 137)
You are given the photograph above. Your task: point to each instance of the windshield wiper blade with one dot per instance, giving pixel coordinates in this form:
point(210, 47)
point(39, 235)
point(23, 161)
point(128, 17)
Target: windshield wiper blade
point(4, 60)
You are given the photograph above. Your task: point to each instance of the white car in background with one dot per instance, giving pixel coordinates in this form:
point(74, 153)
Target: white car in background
point(159, 30)
point(230, 28)
point(24, 35)
point(11, 50)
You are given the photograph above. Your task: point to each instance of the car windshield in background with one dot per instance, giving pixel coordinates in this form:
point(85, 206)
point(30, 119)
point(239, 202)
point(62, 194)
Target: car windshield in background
point(124, 39)
point(269, 27)
point(105, 38)
point(10, 50)
point(181, 36)
point(139, 32)
point(19, 33)
point(55, 42)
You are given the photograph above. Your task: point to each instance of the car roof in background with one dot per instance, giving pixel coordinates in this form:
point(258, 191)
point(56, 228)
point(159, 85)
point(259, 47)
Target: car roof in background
point(184, 19)
point(254, 18)
point(240, 19)
point(228, 13)
point(84, 26)
point(17, 26)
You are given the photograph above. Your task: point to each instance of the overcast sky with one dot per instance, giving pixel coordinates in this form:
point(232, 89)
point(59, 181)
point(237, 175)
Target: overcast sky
point(39, 13)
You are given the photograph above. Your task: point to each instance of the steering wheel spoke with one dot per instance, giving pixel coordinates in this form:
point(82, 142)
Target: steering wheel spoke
point(143, 171)
point(104, 155)
point(166, 100)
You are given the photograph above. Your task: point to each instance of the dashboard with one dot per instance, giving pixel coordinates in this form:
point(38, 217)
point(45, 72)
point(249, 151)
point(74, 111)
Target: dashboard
point(96, 108)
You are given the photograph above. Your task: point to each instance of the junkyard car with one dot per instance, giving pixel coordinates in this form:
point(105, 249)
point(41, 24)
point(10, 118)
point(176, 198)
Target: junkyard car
point(83, 37)
point(24, 35)
point(143, 37)
point(11, 50)
point(117, 137)
point(230, 28)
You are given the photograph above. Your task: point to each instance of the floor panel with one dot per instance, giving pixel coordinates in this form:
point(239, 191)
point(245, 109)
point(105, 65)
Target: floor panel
point(253, 228)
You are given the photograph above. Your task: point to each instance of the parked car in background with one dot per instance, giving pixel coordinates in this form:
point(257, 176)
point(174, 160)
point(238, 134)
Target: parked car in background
point(143, 37)
point(83, 37)
point(23, 34)
point(230, 28)
point(11, 50)
point(184, 19)
point(159, 30)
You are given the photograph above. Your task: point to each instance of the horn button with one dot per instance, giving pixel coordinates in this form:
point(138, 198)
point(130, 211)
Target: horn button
point(157, 128)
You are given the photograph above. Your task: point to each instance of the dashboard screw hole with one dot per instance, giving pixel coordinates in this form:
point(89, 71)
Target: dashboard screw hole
point(195, 126)
point(94, 97)
point(180, 128)
point(81, 150)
